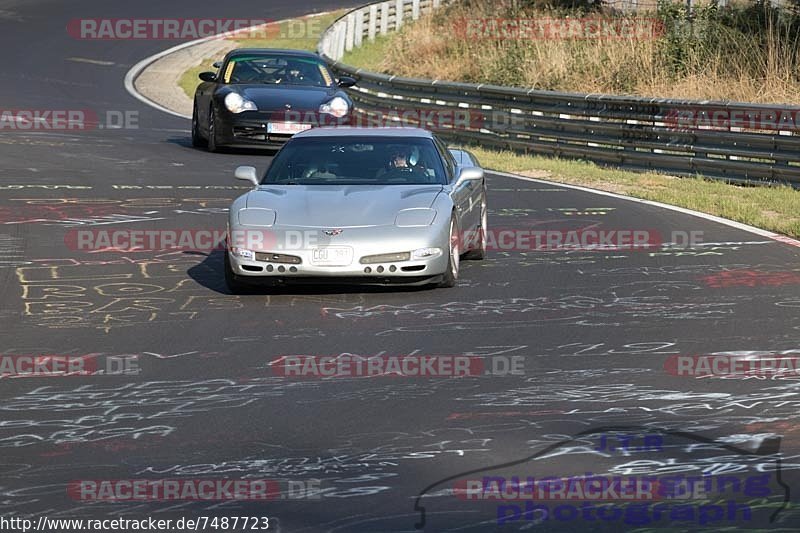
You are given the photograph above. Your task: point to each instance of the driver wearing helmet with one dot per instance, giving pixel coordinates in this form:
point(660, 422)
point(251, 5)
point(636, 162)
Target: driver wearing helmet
point(400, 159)
point(300, 73)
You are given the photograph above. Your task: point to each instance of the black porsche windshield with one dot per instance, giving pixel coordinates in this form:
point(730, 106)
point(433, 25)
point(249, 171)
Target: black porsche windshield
point(357, 160)
point(277, 70)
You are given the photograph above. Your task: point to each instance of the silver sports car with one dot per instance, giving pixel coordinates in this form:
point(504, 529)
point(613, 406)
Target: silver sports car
point(376, 206)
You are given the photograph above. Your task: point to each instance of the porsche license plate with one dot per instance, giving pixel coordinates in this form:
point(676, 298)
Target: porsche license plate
point(287, 128)
point(332, 256)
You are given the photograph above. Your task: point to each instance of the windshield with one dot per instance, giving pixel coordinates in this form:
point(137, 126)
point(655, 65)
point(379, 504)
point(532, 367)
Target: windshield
point(278, 70)
point(357, 160)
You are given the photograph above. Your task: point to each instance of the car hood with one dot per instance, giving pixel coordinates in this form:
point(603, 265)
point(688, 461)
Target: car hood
point(276, 97)
point(341, 206)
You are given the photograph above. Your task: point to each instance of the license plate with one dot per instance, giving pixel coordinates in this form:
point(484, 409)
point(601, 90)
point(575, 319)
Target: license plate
point(332, 256)
point(287, 128)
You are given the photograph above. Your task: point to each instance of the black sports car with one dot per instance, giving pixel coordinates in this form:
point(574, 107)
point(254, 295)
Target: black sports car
point(262, 97)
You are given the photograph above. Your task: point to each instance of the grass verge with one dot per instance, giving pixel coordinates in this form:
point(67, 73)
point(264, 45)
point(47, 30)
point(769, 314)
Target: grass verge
point(300, 34)
point(746, 52)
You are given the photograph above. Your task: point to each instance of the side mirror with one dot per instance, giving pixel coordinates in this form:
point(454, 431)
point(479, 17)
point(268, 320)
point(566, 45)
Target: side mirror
point(247, 174)
point(208, 76)
point(469, 174)
point(217, 64)
point(346, 81)
point(464, 158)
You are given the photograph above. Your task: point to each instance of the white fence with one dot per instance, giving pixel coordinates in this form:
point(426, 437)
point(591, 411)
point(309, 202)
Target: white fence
point(369, 21)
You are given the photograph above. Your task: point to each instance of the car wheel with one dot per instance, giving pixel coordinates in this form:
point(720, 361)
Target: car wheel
point(197, 139)
point(453, 257)
point(479, 252)
point(212, 131)
point(234, 285)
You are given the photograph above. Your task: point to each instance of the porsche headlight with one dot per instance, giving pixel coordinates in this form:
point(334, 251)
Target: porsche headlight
point(236, 103)
point(338, 107)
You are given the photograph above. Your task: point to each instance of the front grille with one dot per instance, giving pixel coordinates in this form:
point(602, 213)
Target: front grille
point(252, 133)
point(259, 133)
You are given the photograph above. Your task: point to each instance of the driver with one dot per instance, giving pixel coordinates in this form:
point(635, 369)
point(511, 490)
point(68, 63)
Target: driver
point(399, 161)
point(302, 74)
point(399, 158)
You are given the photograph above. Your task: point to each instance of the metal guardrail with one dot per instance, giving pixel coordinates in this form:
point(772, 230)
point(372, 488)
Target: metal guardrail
point(628, 132)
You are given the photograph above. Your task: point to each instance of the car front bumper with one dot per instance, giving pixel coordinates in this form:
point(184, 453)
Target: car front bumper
point(250, 130)
point(301, 264)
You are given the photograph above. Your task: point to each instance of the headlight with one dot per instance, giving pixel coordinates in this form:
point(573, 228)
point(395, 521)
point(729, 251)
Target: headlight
point(257, 216)
point(338, 107)
point(426, 253)
point(236, 103)
point(415, 217)
point(244, 254)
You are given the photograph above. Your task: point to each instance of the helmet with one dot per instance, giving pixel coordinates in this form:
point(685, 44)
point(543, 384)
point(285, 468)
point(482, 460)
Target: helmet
point(409, 153)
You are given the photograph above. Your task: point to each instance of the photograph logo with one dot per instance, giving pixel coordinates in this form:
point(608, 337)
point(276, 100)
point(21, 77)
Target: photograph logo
point(620, 476)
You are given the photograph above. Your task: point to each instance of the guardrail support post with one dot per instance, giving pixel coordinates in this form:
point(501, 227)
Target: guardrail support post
point(341, 37)
point(373, 19)
point(398, 14)
point(350, 36)
point(359, 32)
point(384, 18)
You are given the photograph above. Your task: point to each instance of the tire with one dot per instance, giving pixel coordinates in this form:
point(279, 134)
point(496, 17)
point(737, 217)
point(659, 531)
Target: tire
point(197, 139)
point(234, 285)
point(479, 253)
point(212, 131)
point(450, 276)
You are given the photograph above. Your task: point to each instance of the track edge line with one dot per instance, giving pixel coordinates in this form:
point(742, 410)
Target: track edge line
point(713, 218)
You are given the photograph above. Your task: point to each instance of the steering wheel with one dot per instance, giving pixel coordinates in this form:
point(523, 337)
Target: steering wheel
point(403, 173)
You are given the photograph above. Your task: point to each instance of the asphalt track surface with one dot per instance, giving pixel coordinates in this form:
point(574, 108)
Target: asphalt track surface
point(594, 329)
